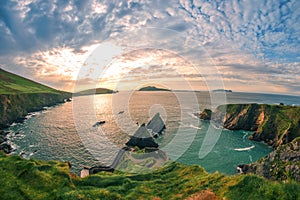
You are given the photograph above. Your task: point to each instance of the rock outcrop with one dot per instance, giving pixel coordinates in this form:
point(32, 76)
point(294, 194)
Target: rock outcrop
point(273, 124)
point(142, 139)
point(281, 164)
point(4, 146)
point(205, 114)
point(156, 125)
point(277, 125)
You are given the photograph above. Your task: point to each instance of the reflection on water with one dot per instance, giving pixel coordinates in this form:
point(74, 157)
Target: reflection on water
point(65, 132)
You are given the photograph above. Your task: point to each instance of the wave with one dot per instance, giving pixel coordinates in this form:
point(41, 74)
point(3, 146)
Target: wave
point(195, 127)
point(216, 126)
point(245, 135)
point(193, 115)
point(245, 149)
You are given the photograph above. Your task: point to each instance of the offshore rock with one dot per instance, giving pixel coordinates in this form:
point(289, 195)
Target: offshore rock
point(142, 139)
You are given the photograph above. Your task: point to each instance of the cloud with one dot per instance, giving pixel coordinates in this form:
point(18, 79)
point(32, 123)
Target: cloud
point(245, 39)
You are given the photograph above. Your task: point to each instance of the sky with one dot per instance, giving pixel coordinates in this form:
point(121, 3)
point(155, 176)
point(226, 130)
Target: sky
point(250, 45)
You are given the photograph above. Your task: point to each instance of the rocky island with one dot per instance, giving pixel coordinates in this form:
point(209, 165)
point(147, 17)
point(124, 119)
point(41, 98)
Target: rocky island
point(142, 140)
point(153, 88)
point(95, 91)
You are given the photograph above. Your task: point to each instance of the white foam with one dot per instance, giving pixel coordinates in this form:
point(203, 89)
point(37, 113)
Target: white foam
point(193, 115)
point(244, 136)
point(244, 149)
point(195, 127)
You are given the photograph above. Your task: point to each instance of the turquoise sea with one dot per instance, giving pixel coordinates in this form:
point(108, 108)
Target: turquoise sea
point(65, 132)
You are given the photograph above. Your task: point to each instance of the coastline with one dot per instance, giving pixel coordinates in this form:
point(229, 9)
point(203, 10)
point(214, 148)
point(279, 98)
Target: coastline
point(276, 125)
point(15, 107)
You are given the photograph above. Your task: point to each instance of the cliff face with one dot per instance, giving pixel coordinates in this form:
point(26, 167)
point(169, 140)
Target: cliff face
point(277, 125)
point(16, 106)
point(272, 124)
point(281, 164)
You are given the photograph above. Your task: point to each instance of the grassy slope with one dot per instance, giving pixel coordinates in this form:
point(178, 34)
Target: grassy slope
point(19, 95)
point(12, 84)
point(33, 179)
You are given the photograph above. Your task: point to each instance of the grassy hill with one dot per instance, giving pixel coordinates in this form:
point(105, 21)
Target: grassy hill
point(19, 95)
point(12, 84)
point(34, 179)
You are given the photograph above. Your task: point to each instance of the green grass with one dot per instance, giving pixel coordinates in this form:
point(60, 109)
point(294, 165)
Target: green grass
point(12, 84)
point(34, 179)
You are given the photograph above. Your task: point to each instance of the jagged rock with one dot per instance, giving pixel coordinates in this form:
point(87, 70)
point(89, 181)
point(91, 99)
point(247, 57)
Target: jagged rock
point(142, 138)
point(156, 124)
point(273, 124)
point(6, 148)
point(205, 114)
point(281, 164)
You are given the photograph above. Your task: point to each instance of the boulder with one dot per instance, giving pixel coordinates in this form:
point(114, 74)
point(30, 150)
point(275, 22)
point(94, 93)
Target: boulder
point(205, 114)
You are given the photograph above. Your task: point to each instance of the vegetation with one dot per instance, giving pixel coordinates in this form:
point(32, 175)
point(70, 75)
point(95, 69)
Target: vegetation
point(34, 179)
point(19, 95)
point(282, 164)
point(273, 124)
point(13, 84)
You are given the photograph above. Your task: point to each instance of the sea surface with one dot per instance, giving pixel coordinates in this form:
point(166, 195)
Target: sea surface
point(67, 132)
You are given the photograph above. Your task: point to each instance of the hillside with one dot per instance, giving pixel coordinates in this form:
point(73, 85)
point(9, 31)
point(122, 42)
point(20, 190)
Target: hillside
point(153, 88)
point(12, 84)
point(19, 95)
point(34, 179)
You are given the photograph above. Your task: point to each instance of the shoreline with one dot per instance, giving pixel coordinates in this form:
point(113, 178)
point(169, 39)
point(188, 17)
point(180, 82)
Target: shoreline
point(4, 133)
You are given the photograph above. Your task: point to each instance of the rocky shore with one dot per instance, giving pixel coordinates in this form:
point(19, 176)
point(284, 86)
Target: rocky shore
point(276, 125)
point(282, 164)
point(272, 124)
point(4, 146)
point(15, 107)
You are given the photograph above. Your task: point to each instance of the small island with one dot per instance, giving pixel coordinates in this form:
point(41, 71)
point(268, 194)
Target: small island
point(153, 88)
point(222, 90)
point(95, 91)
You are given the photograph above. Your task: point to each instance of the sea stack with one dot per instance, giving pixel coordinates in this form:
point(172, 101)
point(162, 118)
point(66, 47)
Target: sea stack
point(156, 124)
point(142, 139)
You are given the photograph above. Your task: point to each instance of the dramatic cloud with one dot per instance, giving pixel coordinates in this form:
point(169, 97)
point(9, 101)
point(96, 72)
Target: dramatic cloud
point(251, 42)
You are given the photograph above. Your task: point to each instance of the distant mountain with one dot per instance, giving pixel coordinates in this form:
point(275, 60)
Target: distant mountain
point(13, 84)
point(95, 91)
point(153, 88)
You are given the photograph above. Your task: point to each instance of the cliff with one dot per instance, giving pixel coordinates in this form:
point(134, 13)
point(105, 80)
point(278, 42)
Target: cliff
point(281, 164)
point(19, 95)
point(17, 106)
point(277, 125)
point(273, 124)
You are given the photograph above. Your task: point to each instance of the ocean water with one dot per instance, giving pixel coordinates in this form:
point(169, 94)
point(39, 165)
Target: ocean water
point(67, 132)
